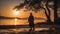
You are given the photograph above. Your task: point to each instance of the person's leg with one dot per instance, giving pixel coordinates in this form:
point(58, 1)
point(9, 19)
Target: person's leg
point(30, 29)
point(33, 28)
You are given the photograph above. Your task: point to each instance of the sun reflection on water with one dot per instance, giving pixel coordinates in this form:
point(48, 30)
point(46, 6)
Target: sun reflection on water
point(15, 21)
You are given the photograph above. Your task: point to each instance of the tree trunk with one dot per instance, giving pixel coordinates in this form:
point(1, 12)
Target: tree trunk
point(48, 15)
point(55, 11)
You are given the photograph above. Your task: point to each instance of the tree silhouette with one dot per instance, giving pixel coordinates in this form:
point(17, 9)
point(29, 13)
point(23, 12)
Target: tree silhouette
point(36, 5)
point(55, 11)
point(48, 16)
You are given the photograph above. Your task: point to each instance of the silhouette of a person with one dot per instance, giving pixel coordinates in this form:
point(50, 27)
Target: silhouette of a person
point(31, 22)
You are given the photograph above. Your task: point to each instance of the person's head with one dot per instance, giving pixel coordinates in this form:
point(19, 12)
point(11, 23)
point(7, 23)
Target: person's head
point(31, 14)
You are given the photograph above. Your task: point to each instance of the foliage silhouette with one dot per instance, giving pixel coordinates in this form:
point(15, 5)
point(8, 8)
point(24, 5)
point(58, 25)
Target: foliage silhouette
point(36, 5)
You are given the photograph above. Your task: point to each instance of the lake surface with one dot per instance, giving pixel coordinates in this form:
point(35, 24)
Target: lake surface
point(17, 21)
point(12, 22)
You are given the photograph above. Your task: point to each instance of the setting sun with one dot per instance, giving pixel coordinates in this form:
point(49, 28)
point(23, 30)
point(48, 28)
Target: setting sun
point(16, 13)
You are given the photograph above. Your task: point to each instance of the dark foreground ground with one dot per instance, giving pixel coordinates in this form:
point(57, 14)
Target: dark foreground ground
point(34, 32)
point(39, 29)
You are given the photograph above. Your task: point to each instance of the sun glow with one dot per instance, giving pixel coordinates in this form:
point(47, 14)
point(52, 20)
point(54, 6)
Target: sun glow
point(16, 13)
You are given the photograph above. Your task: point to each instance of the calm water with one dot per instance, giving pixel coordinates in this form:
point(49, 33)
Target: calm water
point(17, 21)
point(13, 22)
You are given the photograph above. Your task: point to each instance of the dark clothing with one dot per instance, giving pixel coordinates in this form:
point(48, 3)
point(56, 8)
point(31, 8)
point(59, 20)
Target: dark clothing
point(31, 25)
point(31, 22)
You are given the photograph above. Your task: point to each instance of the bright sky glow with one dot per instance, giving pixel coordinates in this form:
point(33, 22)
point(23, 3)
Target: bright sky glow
point(15, 12)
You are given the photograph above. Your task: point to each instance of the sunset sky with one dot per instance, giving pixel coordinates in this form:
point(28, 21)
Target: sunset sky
point(6, 9)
